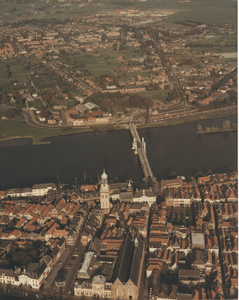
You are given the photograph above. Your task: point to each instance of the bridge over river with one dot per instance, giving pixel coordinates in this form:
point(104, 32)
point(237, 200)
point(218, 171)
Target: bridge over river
point(139, 148)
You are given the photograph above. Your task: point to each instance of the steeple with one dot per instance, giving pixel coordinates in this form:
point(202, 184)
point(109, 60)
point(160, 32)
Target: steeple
point(104, 177)
point(104, 193)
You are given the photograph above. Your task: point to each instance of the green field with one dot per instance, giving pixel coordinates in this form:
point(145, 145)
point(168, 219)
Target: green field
point(17, 72)
point(210, 12)
point(18, 128)
point(74, 10)
point(35, 103)
point(2, 77)
point(156, 95)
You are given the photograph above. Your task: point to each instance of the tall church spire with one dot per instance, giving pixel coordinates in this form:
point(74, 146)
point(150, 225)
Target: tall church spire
point(104, 192)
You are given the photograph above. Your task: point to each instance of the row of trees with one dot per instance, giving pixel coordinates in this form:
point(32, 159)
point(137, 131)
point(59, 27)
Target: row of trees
point(21, 257)
point(226, 125)
point(113, 102)
point(181, 219)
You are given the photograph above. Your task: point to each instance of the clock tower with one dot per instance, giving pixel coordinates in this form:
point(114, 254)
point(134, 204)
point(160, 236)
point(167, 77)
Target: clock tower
point(104, 193)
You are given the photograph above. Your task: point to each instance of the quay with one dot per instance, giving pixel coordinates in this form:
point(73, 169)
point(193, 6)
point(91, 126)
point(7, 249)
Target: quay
point(139, 148)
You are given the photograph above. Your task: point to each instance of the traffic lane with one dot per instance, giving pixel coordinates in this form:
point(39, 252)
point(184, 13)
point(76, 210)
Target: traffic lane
point(74, 269)
point(51, 278)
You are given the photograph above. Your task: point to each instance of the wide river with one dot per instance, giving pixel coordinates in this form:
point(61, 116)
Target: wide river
point(177, 148)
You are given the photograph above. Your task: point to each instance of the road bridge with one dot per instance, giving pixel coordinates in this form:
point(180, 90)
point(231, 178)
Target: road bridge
point(134, 132)
point(139, 148)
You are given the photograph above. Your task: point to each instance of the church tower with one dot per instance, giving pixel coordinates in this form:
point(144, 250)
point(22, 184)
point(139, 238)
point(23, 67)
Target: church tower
point(104, 193)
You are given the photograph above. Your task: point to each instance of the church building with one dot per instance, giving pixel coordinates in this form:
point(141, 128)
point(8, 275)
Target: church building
point(104, 193)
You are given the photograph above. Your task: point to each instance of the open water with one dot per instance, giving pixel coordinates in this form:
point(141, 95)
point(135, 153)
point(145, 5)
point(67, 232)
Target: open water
point(177, 148)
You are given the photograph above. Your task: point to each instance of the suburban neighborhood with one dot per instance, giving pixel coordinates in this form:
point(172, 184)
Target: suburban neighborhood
point(122, 65)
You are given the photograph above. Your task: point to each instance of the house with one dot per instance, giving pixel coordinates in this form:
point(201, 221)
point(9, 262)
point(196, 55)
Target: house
point(8, 277)
point(198, 259)
point(98, 287)
point(167, 291)
point(189, 276)
point(42, 189)
point(176, 183)
point(198, 240)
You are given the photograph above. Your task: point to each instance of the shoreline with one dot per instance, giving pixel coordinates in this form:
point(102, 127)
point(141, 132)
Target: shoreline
point(215, 131)
point(94, 129)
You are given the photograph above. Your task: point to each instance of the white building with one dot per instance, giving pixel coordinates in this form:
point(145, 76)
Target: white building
point(85, 270)
point(145, 196)
point(25, 192)
point(8, 277)
point(35, 275)
point(104, 193)
point(42, 189)
point(98, 287)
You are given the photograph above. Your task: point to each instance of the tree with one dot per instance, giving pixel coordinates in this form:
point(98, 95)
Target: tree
point(199, 128)
point(106, 105)
point(5, 262)
point(226, 124)
point(173, 217)
point(103, 36)
point(45, 113)
point(12, 113)
point(178, 219)
point(164, 269)
point(184, 221)
point(199, 174)
point(5, 99)
point(172, 175)
point(34, 254)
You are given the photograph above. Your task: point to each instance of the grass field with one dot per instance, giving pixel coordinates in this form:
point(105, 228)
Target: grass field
point(5, 15)
point(157, 95)
point(133, 74)
point(18, 73)
point(210, 12)
point(2, 77)
point(18, 128)
point(36, 104)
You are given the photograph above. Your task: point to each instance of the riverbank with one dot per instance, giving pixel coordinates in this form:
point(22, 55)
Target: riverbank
point(191, 118)
point(39, 135)
point(215, 131)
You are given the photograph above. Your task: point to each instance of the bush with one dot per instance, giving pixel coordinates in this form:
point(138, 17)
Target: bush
point(12, 113)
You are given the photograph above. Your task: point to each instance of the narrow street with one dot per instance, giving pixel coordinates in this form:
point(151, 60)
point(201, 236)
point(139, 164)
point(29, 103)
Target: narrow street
point(50, 287)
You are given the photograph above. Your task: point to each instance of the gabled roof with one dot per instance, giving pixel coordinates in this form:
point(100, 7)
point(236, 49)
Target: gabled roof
point(125, 256)
point(138, 251)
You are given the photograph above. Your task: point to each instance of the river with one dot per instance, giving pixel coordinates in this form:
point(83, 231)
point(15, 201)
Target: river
point(177, 148)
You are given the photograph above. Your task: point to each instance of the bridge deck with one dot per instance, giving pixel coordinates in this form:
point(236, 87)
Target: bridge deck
point(134, 133)
point(145, 163)
point(142, 155)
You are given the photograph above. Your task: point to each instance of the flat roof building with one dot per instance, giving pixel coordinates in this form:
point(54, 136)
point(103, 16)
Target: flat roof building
point(198, 240)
